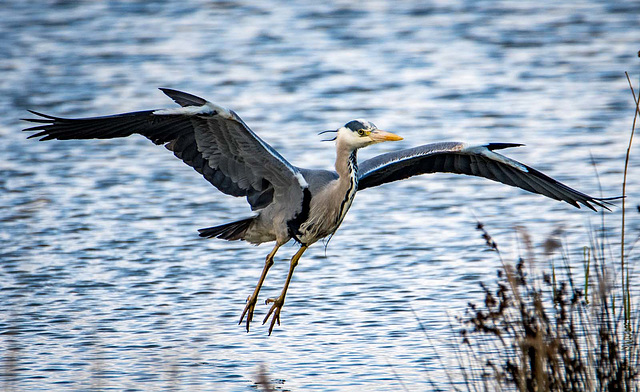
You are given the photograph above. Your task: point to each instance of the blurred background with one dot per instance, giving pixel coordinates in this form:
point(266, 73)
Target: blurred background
point(104, 283)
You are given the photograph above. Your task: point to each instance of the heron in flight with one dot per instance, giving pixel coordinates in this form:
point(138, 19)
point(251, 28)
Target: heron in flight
point(290, 202)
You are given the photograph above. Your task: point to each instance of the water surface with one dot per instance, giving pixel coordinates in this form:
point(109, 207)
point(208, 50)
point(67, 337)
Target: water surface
point(104, 283)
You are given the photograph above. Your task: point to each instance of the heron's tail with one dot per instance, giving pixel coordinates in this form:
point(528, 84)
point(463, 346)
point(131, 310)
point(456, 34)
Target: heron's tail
point(229, 231)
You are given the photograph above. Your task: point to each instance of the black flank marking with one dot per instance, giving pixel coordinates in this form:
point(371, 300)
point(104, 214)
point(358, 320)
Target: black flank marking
point(301, 217)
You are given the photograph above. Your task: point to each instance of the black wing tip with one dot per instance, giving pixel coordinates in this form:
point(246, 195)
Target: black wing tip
point(500, 146)
point(593, 202)
point(182, 98)
point(40, 114)
point(605, 202)
point(43, 122)
point(35, 135)
point(577, 197)
point(168, 91)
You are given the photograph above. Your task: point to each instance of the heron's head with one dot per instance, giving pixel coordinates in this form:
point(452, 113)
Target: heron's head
point(361, 133)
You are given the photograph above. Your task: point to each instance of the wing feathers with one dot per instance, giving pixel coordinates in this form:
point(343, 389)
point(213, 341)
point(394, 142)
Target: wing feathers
point(211, 139)
point(500, 146)
point(183, 99)
point(478, 161)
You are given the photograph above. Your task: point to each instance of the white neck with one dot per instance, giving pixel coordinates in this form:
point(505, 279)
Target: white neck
point(346, 161)
point(347, 184)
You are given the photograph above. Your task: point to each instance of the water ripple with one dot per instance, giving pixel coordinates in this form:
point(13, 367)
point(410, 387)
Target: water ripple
point(103, 280)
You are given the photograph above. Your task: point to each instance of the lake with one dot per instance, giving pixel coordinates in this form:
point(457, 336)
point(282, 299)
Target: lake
point(104, 282)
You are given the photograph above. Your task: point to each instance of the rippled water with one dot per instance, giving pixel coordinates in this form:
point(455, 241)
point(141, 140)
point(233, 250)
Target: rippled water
point(104, 282)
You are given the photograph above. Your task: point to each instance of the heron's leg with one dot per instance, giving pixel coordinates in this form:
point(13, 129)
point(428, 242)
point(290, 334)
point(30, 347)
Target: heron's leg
point(279, 302)
point(251, 300)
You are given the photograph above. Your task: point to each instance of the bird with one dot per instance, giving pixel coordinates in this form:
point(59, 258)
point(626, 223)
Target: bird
point(289, 202)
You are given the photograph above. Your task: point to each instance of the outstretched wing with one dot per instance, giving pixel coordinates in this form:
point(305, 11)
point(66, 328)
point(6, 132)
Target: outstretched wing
point(460, 158)
point(211, 139)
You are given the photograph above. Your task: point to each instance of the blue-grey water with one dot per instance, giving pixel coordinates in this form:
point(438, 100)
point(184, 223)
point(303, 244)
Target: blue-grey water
point(104, 283)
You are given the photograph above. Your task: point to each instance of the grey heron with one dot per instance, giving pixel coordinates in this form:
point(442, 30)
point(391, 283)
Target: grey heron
point(290, 202)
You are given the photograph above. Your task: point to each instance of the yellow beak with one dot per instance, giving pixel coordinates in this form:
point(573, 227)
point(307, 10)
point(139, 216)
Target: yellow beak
point(379, 135)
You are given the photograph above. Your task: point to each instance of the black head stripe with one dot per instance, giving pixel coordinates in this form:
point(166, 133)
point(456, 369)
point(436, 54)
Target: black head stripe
point(356, 125)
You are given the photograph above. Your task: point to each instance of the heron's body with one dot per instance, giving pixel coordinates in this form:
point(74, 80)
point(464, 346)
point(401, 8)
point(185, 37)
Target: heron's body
point(290, 202)
point(330, 197)
point(323, 185)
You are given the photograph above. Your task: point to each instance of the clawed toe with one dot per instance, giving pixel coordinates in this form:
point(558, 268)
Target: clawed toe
point(248, 311)
point(275, 311)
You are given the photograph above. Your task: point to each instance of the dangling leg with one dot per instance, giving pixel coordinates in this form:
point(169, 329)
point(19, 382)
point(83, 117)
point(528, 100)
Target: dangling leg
point(251, 301)
point(279, 302)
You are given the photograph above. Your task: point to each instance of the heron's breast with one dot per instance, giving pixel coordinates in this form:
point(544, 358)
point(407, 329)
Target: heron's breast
point(347, 201)
point(328, 209)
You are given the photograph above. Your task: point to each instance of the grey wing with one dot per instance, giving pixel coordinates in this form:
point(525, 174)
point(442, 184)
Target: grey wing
point(211, 139)
point(318, 179)
point(460, 158)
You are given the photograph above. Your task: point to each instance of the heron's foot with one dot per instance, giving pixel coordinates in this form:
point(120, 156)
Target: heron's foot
point(275, 311)
point(248, 310)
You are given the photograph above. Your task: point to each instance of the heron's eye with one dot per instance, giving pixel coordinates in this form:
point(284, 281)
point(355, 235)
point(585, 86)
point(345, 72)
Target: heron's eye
point(361, 132)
